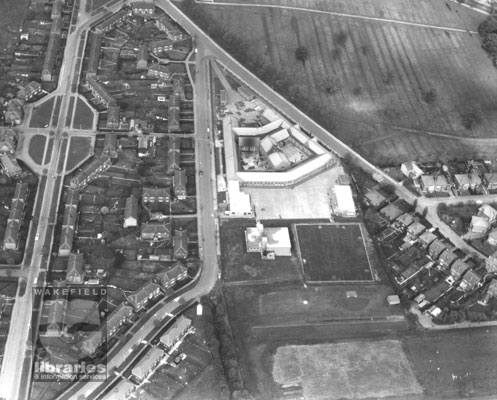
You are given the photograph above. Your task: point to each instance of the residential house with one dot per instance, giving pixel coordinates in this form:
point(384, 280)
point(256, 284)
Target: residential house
point(159, 46)
point(447, 257)
point(16, 216)
point(8, 141)
point(165, 24)
point(492, 237)
point(159, 71)
point(113, 20)
point(434, 183)
point(491, 263)
point(10, 167)
point(69, 223)
point(411, 170)
point(391, 212)
point(180, 184)
point(142, 58)
point(147, 363)
point(55, 318)
point(175, 332)
point(404, 220)
point(491, 291)
point(100, 91)
point(156, 231)
point(110, 145)
point(470, 280)
point(173, 111)
point(479, 224)
point(131, 212)
point(436, 248)
point(156, 195)
point(468, 181)
point(179, 87)
point(48, 69)
point(458, 268)
point(29, 91)
point(95, 45)
point(416, 229)
point(92, 342)
point(75, 268)
point(117, 318)
point(112, 120)
point(180, 244)
point(173, 155)
point(141, 297)
point(93, 170)
point(169, 278)
point(143, 8)
point(426, 239)
point(14, 112)
point(488, 212)
point(490, 180)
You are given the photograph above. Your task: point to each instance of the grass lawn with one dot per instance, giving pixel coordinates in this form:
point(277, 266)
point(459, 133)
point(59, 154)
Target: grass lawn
point(41, 115)
point(347, 370)
point(37, 148)
point(79, 149)
point(385, 70)
point(333, 252)
point(83, 116)
point(238, 265)
point(457, 364)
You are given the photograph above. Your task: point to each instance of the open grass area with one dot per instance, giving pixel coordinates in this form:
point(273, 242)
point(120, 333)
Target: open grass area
point(11, 20)
point(37, 148)
point(238, 265)
point(80, 148)
point(354, 370)
point(83, 116)
point(385, 70)
point(457, 364)
point(333, 252)
point(41, 115)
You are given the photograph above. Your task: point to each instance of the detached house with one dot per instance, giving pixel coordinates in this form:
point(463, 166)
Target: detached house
point(180, 184)
point(180, 244)
point(75, 268)
point(131, 212)
point(411, 170)
point(141, 297)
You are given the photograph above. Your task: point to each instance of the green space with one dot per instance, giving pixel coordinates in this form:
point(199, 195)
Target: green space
point(83, 116)
point(333, 252)
point(40, 117)
point(80, 148)
point(37, 148)
point(238, 265)
point(70, 112)
point(56, 110)
point(386, 89)
point(48, 155)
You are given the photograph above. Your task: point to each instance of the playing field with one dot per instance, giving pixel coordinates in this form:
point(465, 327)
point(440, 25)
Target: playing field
point(333, 252)
point(387, 55)
point(355, 370)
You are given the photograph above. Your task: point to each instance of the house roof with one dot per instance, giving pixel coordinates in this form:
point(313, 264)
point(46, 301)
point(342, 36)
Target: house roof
point(427, 238)
point(405, 219)
point(156, 192)
point(391, 211)
point(75, 265)
point(131, 208)
point(180, 242)
point(416, 228)
point(179, 326)
point(436, 247)
point(488, 211)
point(470, 279)
point(490, 177)
point(432, 180)
point(172, 273)
point(116, 317)
point(142, 293)
point(147, 362)
point(479, 222)
point(375, 197)
point(180, 180)
point(102, 91)
point(448, 257)
point(458, 268)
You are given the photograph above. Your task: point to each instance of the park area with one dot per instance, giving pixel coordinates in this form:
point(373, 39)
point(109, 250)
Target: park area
point(353, 370)
point(41, 115)
point(37, 148)
point(333, 252)
point(408, 75)
point(80, 149)
point(83, 116)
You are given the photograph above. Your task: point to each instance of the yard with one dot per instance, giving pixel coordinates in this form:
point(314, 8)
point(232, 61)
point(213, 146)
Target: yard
point(37, 148)
point(333, 252)
point(41, 115)
point(384, 69)
point(353, 370)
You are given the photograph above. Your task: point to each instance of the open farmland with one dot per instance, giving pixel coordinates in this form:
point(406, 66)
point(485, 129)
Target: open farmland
point(333, 252)
point(386, 65)
point(355, 370)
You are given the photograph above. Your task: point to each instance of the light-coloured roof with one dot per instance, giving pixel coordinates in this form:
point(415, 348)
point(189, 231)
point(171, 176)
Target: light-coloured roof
point(345, 199)
point(278, 237)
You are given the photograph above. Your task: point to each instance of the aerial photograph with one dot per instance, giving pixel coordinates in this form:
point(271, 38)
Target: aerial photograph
point(248, 199)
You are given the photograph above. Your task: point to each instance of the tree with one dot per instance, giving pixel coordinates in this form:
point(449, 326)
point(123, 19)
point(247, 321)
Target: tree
point(490, 43)
point(331, 84)
point(302, 54)
point(488, 26)
point(472, 118)
point(340, 38)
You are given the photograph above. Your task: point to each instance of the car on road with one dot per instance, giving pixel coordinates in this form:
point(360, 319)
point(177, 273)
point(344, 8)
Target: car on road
point(37, 236)
point(201, 173)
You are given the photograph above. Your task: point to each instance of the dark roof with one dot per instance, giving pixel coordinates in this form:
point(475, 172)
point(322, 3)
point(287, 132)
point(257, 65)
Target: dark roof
point(436, 247)
point(142, 293)
point(180, 242)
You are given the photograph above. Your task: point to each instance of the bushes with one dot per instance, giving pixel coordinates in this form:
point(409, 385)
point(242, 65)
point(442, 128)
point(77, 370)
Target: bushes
point(488, 31)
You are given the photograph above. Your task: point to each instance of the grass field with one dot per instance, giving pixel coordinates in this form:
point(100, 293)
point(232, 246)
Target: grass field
point(80, 148)
point(41, 115)
point(385, 69)
point(11, 20)
point(83, 116)
point(333, 252)
point(37, 148)
point(355, 370)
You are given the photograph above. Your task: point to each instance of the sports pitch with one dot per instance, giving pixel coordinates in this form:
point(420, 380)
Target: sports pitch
point(333, 252)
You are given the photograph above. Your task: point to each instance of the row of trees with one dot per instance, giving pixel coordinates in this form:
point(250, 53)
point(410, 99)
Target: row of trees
point(488, 33)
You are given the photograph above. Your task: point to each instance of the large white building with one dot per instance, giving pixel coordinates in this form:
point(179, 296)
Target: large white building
point(342, 201)
point(268, 240)
point(239, 202)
